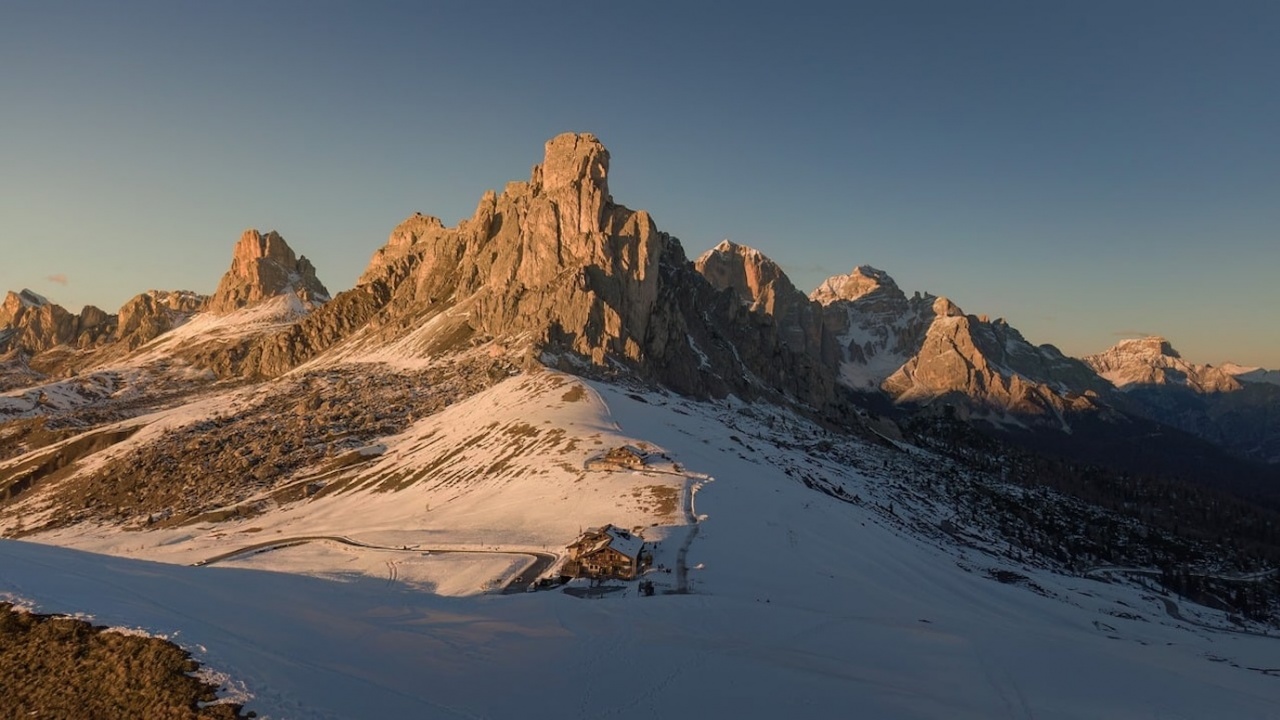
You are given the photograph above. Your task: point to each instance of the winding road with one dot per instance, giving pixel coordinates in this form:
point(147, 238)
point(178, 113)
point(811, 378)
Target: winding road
point(519, 583)
point(1171, 608)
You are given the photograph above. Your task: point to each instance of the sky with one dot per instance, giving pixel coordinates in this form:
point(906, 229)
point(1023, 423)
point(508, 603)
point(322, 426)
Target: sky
point(1087, 170)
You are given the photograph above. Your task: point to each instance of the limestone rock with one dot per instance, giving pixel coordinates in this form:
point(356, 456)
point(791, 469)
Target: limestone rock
point(262, 267)
point(32, 324)
point(555, 265)
point(923, 349)
point(151, 314)
point(764, 288)
point(1153, 361)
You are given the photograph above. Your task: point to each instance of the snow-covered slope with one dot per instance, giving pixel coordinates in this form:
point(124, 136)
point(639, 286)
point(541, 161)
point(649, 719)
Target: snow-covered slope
point(1252, 374)
point(508, 470)
point(803, 603)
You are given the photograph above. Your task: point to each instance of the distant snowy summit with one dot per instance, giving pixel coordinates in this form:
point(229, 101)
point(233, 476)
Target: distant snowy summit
point(1153, 361)
point(1252, 374)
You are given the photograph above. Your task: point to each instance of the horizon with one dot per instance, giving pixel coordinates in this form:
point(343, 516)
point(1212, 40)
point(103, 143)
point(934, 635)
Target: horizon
point(1089, 173)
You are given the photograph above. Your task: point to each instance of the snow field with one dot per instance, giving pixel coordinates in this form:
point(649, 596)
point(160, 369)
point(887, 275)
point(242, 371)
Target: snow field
point(803, 605)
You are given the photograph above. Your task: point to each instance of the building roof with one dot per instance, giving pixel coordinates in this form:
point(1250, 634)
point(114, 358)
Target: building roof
point(624, 542)
point(596, 539)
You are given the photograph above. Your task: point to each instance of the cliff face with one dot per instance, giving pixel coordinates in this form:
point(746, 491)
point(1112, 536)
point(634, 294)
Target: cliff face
point(555, 266)
point(764, 288)
point(151, 314)
point(262, 267)
point(31, 323)
point(925, 348)
point(1153, 361)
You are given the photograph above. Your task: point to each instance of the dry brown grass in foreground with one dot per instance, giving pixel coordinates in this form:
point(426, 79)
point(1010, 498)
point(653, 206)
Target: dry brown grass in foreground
point(60, 667)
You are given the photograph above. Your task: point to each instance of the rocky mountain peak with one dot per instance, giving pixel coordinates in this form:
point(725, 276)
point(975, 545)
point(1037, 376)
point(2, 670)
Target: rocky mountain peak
point(262, 267)
point(753, 276)
point(943, 307)
point(30, 298)
point(572, 159)
point(761, 285)
point(575, 164)
point(32, 323)
point(862, 281)
point(150, 314)
point(1150, 346)
point(1153, 361)
point(556, 272)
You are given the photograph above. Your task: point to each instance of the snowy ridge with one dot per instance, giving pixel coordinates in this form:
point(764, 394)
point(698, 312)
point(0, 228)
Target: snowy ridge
point(1252, 374)
point(32, 299)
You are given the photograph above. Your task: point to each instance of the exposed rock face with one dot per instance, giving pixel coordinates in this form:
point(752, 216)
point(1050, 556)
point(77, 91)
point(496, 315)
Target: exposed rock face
point(1153, 361)
point(924, 348)
point(555, 264)
point(151, 314)
point(262, 267)
point(875, 325)
point(989, 366)
point(764, 288)
point(30, 323)
point(1235, 410)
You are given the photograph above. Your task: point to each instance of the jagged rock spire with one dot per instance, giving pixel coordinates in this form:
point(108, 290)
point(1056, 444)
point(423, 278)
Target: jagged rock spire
point(262, 267)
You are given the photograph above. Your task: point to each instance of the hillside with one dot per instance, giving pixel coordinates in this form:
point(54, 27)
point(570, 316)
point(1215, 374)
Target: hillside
point(800, 601)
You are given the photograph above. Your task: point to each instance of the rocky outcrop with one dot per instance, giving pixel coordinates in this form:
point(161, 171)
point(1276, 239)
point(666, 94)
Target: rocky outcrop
point(151, 314)
point(987, 367)
point(262, 267)
point(923, 349)
point(877, 328)
point(1153, 361)
point(31, 324)
point(1225, 405)
point(764, 288)
point(553, 265)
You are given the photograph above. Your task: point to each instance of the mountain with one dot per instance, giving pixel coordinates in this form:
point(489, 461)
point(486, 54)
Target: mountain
point(30, 322)
point(925, 349)
point(1235, 408)
point(263, 267)
point(763, 288)
point(826, 489)
point(556, 272)
point(1252, 374)
point(153, 313)
point(1153, 361)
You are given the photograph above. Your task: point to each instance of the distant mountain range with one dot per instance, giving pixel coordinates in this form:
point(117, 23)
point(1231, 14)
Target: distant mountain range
point(581, 283)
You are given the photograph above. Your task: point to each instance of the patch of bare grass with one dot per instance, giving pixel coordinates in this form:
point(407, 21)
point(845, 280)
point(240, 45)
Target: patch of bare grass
point(60, 667)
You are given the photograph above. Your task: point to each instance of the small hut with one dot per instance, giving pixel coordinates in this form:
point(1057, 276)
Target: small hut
point(623, 457)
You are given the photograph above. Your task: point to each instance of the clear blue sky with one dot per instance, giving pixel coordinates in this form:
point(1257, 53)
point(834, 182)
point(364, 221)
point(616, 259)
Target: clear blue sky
point(1087, 170)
